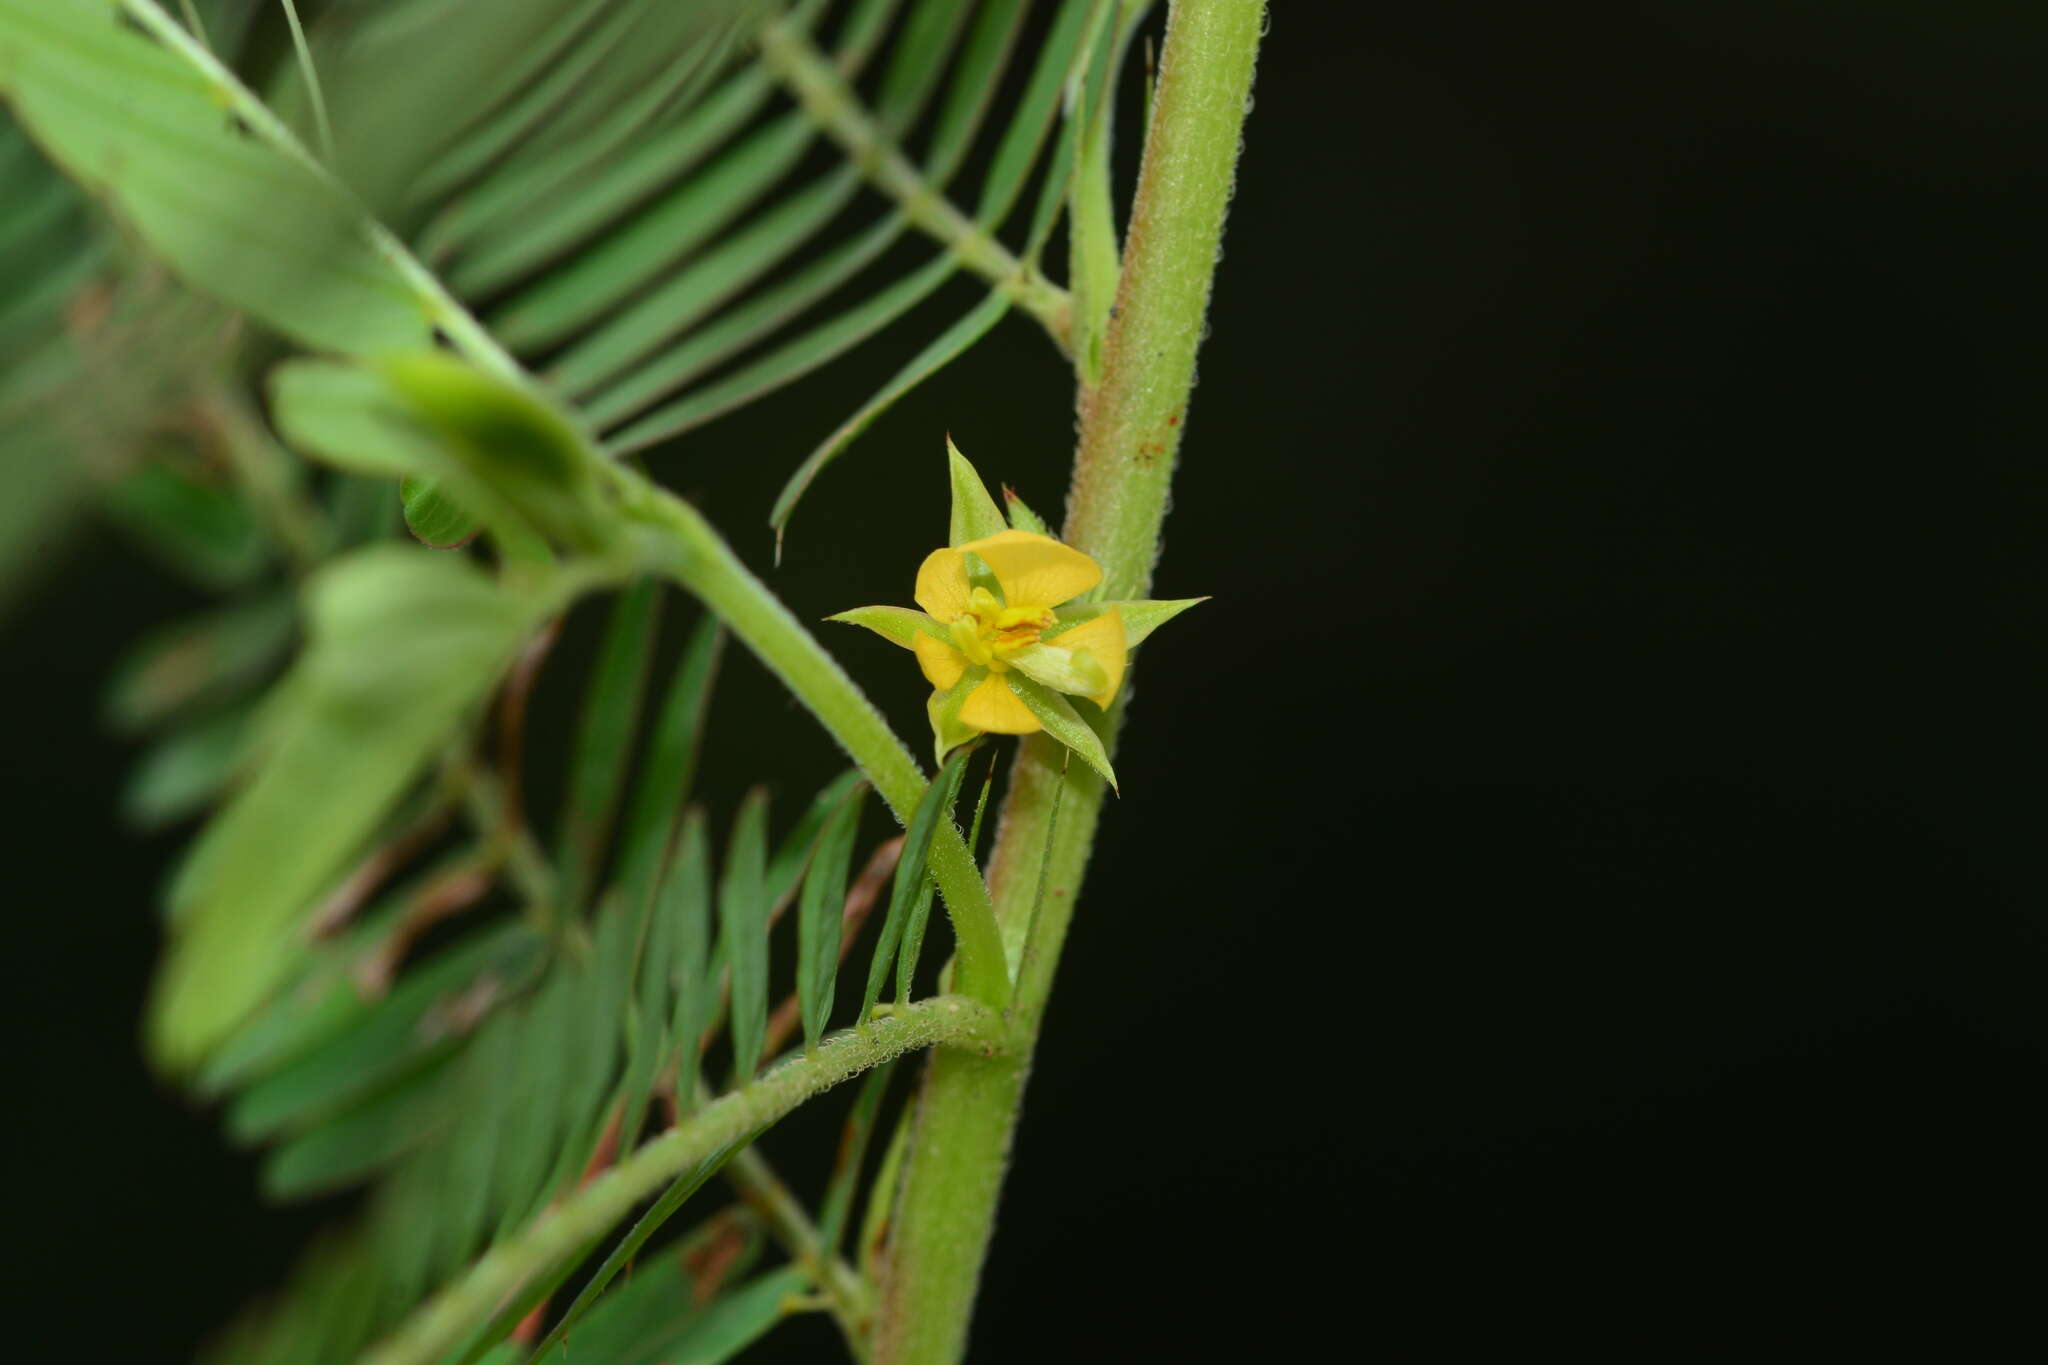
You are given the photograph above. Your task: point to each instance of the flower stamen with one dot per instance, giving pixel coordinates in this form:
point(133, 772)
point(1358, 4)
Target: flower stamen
point(989, 632)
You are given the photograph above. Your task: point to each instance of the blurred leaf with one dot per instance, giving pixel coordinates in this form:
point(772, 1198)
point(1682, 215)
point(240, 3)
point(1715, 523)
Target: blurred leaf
point(202, 528)
point(743, 931)
point(209, 659)
point(784, 365)
point(314, 1059)
point(504, 439)
point(312, 1023)
point(498, 451)
point(356, 1144)
point(401, 643)
point(606, 724)
point(150, 131)
point(179, 775)
point(912, 883)
point(818, 915)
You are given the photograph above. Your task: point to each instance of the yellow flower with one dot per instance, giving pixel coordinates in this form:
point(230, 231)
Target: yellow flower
point(1006, 636)
point(1013, 626)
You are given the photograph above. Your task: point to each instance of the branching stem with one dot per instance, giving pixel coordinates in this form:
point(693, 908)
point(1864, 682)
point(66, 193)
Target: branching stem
point(818, 85)
point(595, 1208)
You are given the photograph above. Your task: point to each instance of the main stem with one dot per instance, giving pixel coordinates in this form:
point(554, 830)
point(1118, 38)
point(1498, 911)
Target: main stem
point(1131, 426)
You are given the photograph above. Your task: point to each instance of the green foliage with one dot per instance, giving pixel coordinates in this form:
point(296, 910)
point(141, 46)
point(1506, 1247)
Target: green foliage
point(743, 931)
point(152, 132)
point(379, 968)
point(910, 895)
point(400, 643)
point(610, 715)
point(819, 928)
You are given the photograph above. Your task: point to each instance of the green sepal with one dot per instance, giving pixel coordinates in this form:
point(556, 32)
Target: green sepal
point(1022, 518)
point(974, 511)
point(1140, 618)
point(1064, 670)
point(943, 708)
point(980, 575)
point(1063, 723)
point(899, 625)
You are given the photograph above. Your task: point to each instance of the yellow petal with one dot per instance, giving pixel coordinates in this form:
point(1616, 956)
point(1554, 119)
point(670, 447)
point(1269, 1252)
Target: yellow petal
point(942, 584)
point(942, 664)
point(1035, 570)
point(1102, 637)
point(995, 708)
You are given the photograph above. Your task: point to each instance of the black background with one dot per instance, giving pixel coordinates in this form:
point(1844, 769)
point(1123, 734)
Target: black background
point(1579, 880)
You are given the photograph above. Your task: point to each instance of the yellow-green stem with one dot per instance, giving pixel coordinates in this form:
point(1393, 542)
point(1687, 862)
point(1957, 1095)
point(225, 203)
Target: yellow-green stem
point(1130, 435)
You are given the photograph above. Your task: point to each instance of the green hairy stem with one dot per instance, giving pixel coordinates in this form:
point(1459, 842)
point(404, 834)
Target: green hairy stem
point(1130, 433)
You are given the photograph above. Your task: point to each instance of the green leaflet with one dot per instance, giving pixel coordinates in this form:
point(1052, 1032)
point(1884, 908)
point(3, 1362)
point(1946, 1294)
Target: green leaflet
point(149, 130)
point(1091, 217)
point(668, 763)
point(199, 663)
point(356, 1144)
point(203, 529)
point(686, 899)
point(606, 724)
point(659, 1314)
point(743, 931)
point(664, 1208)
point(183, 772)
point(910, 894)
point(615, 272)
point(335, 1041)
point(786, 364)
point(940, 352)
point(1063, 723)
point(818, 915)
point(401, 642)
point(303, 1061)
point(920, 913)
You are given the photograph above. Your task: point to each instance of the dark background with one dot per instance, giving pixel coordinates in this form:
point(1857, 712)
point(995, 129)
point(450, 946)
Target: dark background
point(1579, 880)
